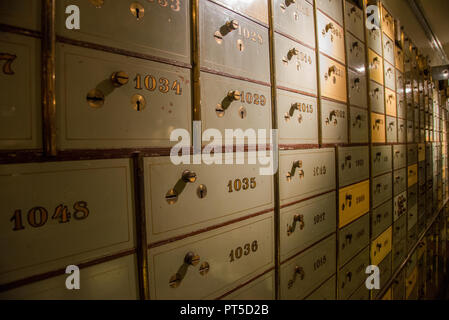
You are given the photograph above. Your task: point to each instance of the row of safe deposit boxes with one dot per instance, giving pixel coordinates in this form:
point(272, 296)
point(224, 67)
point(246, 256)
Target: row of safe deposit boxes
point(362, 152)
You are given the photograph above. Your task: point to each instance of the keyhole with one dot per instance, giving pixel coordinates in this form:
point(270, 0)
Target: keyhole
point(242, 112)
point(137, 10)
point(240, 45)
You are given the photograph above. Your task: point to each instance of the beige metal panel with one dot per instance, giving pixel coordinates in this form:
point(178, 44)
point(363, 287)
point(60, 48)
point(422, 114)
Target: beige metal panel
point(325, 292)
point(381, 189)
point(401, 109)
point(331, 38)
point(399, 181)
point(353, 165)
point(260, 289)
point(411, 263)
point(411, 292)
point(399, 58)
point(47, 202)
point(112, 280)
point(295, 18)
point(305, 173)
point(422, 152)
point(410, 133)
point(302, 274)
point(297, 118)
point(387, 23)
point(400, 205)
point(381, 218)
point(381, 247)
point(208, 265)
point(376, 68)
point(399, 76)
point(388, 49)
point(358, 125)
point(178, 207)
point(355, 52)
point(374, 40)
point(160, 29)
point(354, 20)
point(21, 13)
point(400, 229)
point(412, 217)
point(294, 63)
point(352, 275)
point(412, 154)
point(305, 223)
point(20, 117)
point(357, 89)
point(412, 195)
point(390, 102)
point(376, 97)
point(141, 113)
point(392, 130)
point(334, 122)
point(233, 44)
point(380, 160)
point(353, 238)
point(333, 8)
point(389, 74)
point(399, 156)
point(399, 253)
point(332, 79)
point(377, 128)
point(253, 8)
point(234, 104)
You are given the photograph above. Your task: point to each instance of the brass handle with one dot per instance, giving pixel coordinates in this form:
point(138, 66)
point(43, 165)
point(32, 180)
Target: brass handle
point(119, 78)
point(299, 271)
point(187, 176)
point(190, 259)
point(296, 165)
point(332, 70)
point(232, 25)
point(292, 52)
point(293, 107)
point(328, 27)
point(298, 218)
point(348, 202)
point(289, 2)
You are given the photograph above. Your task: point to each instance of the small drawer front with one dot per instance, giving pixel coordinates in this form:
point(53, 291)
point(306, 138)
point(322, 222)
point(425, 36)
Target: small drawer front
point(307, 222)
point(333, 8)
point(297, 118)
point(387, 23)
point(112, 280)
point(299, 276)
point(111, 24)
point(352, 275)
point(385, 272)
point(410, 284)
point(354, 20)
point(47, 202)
point(381, 219)
point(392, 132)
point(353, 238)
point(412, 237)
point(259, 289)
point(399, 287)
point(412, 217)
point(402, 132)
point(374, 40)
point(355, 52)
point(388, 46)
point(399, 181)
point(334, 122)
point(178, 204)
point(400, 229)
point(353, 202)
point(412, 195)
point(332, 79)
point(304, 173)
point(400, 205)
point(326, 291)
point(412, 175)
point(20, 116)
point(376, 67)
point(381, 189)
point(399, 58)
point(377, 97)
point(399, 156)
point(357, 89)
point(232, 44)
point(353, 165)
point(358, 126)
point(399, 82)
point(410, 132)
point(421, 152)
point(330, 38)
point(21, 13)
point(399, 253)
point(250, 107)
point(241, 251)
point(294, 18)
point(390, 102)
point(380, 160)
point(294, 62)
point(100, 112)
point(381, 247)
point(377, 128)
point(400, 104)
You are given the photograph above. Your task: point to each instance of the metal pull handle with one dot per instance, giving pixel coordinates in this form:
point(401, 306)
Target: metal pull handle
point(190, 259)
point(332, 117)
point(296, 165)
point(119, 78)
point(187, 176)
point(348, 240)
point(298, 272)
point(298, 218)
point(358, 121)
point(289, 2)
point(378, 157)
point(231, 96)
point(292, 52)
point(329, 26)
point(348, 202)
point(293, 108)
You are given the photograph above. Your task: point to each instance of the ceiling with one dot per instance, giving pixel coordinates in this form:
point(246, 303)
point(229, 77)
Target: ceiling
point(435, 12)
